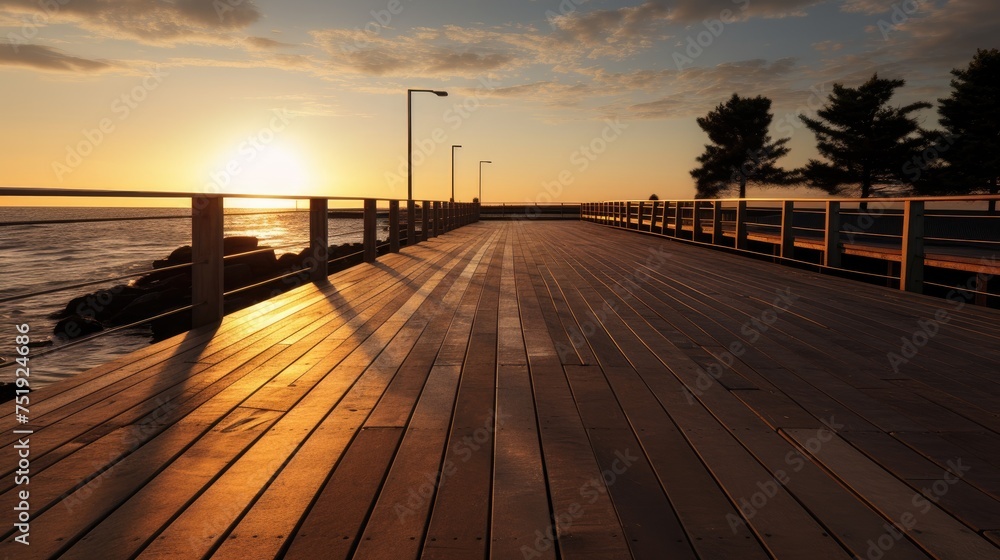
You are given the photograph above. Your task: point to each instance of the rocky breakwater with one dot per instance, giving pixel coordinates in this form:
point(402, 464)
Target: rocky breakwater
point(166, 288)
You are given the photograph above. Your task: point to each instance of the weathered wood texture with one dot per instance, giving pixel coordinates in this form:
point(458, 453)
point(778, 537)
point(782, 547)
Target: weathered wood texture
point(535, 390)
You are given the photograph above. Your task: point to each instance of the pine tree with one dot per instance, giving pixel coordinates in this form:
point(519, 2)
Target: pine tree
point(741, 152)
point(971, 121)
point(866, 142)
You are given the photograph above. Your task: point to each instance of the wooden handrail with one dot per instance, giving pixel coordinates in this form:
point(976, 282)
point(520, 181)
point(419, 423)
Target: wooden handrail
point(208, 232)
point(830, 234)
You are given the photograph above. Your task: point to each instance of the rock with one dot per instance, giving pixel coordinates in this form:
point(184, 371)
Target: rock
point(263, 264)
point(149, 305)
point(237, 276)
point(288, 262)
point(239, 244)
point(39, 343)
point(100, 304)
point(7, 392)
point(76, 326)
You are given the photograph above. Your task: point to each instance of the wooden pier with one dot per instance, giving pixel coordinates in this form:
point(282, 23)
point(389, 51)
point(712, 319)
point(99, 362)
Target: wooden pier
point(534, 390)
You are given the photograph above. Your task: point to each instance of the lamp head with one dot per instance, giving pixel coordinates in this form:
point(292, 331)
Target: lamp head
point(441, 93)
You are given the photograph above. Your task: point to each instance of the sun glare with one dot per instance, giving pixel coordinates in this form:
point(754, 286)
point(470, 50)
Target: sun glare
point(273, 170)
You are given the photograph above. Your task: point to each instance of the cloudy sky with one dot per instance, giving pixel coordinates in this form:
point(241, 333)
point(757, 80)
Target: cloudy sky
point(571, 99)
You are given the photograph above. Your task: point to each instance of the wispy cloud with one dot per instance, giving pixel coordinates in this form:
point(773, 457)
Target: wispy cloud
point(40, 57)
point(148, 21)
point(694, 91)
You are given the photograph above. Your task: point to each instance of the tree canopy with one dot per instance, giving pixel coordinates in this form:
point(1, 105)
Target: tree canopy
point(742, 151)
point(866, 142)
point(967, 151)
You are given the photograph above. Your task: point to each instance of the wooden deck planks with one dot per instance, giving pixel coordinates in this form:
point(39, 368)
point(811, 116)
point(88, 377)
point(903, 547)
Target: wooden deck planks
point(533, 390)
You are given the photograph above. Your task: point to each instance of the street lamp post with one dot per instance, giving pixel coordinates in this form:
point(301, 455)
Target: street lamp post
point(410, 206)
point(453, 146)
point(481, 162)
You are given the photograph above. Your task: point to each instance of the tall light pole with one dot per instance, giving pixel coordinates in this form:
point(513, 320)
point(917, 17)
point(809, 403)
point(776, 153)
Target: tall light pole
point(453, 146)
point(409, 135)
point(481, 162)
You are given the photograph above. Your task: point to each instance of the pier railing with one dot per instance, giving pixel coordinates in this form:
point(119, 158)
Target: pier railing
point(929, 245)
point(410, 222)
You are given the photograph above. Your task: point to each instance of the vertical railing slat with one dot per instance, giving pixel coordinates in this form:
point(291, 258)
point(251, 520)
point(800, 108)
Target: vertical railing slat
point(370, 238)
point(741, 224)
point(394, 226)
point(319, 238)
point(911, 276)
point(831, 252)
point(787, 229)
point(207, 232)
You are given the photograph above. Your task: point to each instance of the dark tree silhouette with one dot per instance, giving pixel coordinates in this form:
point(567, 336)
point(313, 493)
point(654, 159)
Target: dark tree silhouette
point(741, 151)
point(866, 142)
point(654, 197)
point(969, 146)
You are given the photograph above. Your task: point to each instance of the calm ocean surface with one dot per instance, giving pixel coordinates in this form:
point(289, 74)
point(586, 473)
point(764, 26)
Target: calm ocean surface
point(43, 256)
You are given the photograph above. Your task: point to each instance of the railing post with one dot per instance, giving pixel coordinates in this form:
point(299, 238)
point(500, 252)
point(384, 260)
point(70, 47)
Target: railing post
point(394, 226)
point(319, 238)
point(436, 219)
point(642, 210)
point(628, 214)
point(207, 232)
point(717, 222)
point(429, 223)
point(911, 277)
point(741, 224)
point(787, 229)
point(652, 216)
point(695, 221)
point(370, 237)
point(411, 224)
point(663, 222)
point(831, 254)
point(678, 218)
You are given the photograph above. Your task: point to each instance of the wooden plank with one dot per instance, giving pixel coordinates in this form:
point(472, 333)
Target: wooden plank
point(459, 523)
point(931, 528)
point(520, 504)
point(336, 517)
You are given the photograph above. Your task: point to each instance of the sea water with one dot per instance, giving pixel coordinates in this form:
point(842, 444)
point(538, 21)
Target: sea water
point(38, 252)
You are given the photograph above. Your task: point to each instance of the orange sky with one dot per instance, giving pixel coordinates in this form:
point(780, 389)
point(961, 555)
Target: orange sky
point(571, 101)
